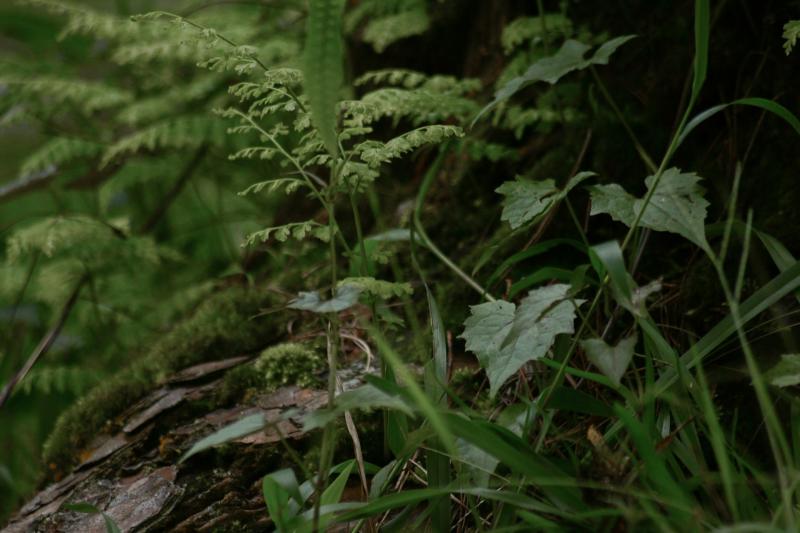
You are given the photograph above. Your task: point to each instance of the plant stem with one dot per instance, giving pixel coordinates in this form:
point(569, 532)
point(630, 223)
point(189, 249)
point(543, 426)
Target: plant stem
point(423, 191)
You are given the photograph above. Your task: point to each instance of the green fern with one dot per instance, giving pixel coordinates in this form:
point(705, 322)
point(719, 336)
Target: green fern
point(57, 93)
point(178, 133)
point(323, 71)
point(295, 230)
point(374, 153)
point(532, 30)
point(791, 32)
point(56, 152)
point(61, 379)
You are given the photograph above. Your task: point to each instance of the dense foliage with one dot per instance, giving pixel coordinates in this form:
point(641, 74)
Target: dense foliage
point(504, 203)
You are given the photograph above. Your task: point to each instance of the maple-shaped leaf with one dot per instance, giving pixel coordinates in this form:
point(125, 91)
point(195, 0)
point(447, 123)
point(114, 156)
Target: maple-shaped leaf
point(527, 199)
point(505, 337)
point(677, 205)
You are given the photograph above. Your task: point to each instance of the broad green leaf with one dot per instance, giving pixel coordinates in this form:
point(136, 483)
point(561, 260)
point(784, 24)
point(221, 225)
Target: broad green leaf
point(278, 489)
point(505, 337)
point(323, 70)
point(334, 491)
point(245, 426)
point(487, 327)
point(676, 206)
point(612, 361)
point(526, 199)
point(613, 200)
point(786, 373)
point(344, 298)
point(570, 57)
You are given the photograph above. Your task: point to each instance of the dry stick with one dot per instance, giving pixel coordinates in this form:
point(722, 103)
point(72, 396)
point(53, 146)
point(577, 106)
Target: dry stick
point(44, 344)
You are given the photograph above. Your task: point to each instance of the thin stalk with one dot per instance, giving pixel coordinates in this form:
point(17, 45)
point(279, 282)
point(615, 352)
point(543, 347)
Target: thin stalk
point(780, 446)
point(423, 236)
point(329, 433)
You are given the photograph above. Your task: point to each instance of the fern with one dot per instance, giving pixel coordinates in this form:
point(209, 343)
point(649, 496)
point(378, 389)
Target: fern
point(59, 380)
point(95, 244)
point(178, 133)
point(56, 152)
point(383, 32)
point(288, 185)
point(374, 152)
point(80, 20)
point(295, 230)
point(323, 66)
point(389, 21)
point(56, 93)
point(791, 32)
point(532, 30)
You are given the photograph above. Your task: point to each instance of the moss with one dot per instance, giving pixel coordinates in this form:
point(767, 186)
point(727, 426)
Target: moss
point(290, 364)
point(222, 326)
point(285, 364)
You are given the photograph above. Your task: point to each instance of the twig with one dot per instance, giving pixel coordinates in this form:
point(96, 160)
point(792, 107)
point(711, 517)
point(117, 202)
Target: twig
point(44, 344)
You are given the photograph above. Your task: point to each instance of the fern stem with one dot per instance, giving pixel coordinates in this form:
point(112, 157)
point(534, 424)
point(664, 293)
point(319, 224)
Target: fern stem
point(309, 182)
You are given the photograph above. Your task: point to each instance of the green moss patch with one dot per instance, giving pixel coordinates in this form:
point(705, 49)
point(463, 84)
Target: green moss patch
point(222, 326)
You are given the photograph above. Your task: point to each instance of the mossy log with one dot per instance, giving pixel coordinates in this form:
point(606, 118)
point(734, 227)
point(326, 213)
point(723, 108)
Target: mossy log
point(134, 477)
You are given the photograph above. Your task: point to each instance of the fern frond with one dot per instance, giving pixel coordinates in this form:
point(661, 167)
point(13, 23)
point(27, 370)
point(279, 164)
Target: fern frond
point(295, 230)
point(57, 151)
point(94, 244)
point(418, 106)
point(181, 132)
point(374, 152)
point(358, 175)
point(289, 185)
point(81, 20)
point(384, 31)
point(410, 79)
point(135, 171)
point(791, 33)
point(533, 30)
point(56, 93)
point(59, 236)
point(59, 380)
point(174, 99)
point(323, 70)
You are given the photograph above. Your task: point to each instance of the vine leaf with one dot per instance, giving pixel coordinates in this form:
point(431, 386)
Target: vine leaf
point(570, 57)
point(323, 72)
point(676, 206)
point(786, 373)
point(612, 361)
point(527, 199)
point(505, 337)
